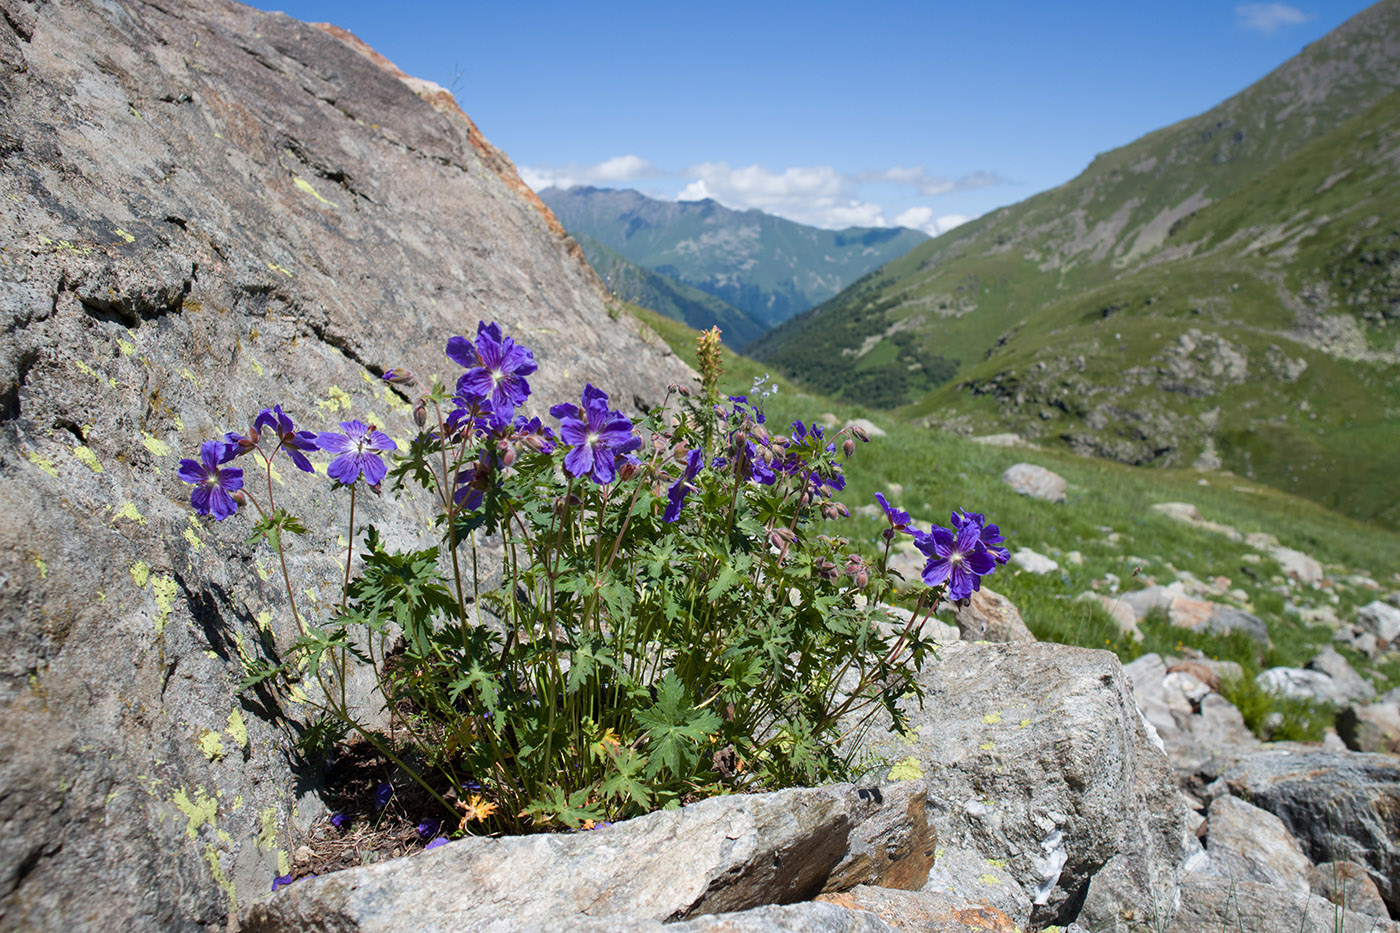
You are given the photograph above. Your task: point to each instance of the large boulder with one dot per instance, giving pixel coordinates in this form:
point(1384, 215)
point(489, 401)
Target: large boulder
point(1210, 905)
point(1036, 757)
point(1201, 731)
point(1339, 805)
point(1035, 481)
point(208, 210)
point(1348, 683)
point(1250, 844)
point(989, 616)
point(719, 855)
point(1380, 619)
point(1301, 684)
point(1371, 727)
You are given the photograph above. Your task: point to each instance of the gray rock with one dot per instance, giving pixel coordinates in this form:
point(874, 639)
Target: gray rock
point(866, 425)
point(989, 616)
point(1035, 481)
point(1347, 884)
point(1212, 905)
point(909, 564)
point(1299, 683)
point(1114, 899)
point(1200, 731)
point(1297, 565)
point(1348, 683)
point(1380, 619)
point(927, 912)
point(1120, 612)
point(964, 875)
point(1035, 755)
point(1000, 440)
point(891, 844)
point(808, 917)
point(1189, 514)
point(722, 854)
point(1033, 562)
point(1373, 727)
point(1226, 619)
point(1339, 805)
point(1249, 844)
point(215, 209)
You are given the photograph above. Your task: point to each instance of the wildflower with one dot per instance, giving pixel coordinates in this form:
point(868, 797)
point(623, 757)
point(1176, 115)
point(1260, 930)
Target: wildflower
point(339, 819)
point(281, 881)
point(357, 448)
point(496, 368)
point(398, 376)
point(533, 434)
point(382, 793)
point(683, 486)
point(991, 535)
point(476, 810)
point(439, 841)
point(898, 518)
point(212, 482)
point(292, 440)
point(960, 560)
point(428, 827)
point(599, 436)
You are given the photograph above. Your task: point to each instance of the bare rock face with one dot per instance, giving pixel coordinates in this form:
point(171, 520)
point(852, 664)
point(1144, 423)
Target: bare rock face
point(1347, 884)
point(1250, 844)
point(1035, 757)
point(989, 616)
point(1211, 905)
point(205, 210)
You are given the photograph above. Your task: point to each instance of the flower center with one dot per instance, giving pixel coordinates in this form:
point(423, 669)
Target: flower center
point(591, 439)
point(956, 557)
point(211, 480)
point(496, 376)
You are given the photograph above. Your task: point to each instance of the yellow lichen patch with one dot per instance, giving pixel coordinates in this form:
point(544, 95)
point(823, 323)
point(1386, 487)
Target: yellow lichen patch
point(237, 729)
point(297, 694)
point(164, 588)
point(989, 878)
point(237, 801)
point(126, 348)
point(193, 539)
point(85, 369)
point(43, 567)
point(211, 855)
point(140, 573)
point(304, 186)
point(43, 463)
point(907, 770)
point(211, 745)
point(101, 597)
point(996, 862)
point(987, 746)
point(154, 444)
point(1023, 723)
point(253, 362)
point(267, 835)
point(87, 458)
point(189, 375)
point(125, 236)
point(337, 399)
point(284, 862)
point(128, 511)
point(202, 809)
point(277, 267)
point(992, 719)
point(263, 573)
point(264, 619)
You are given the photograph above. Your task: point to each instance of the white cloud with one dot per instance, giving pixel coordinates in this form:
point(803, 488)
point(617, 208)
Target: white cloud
point(930, 185)
point(618, 168)
point(921, 218)
point(817, 195)
point(1268, 18)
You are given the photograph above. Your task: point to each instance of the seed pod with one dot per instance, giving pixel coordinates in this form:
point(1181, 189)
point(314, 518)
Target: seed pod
point(533, 441)
point(398, 376)
point(840, 507)
point(684, 391)
point(760, 433)
point(862, 578)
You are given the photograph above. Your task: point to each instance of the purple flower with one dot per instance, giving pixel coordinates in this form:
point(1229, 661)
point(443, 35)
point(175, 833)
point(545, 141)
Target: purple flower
point(682, 487)
point(533, 434)
point(991, 535)
point(382, 793)
point(961, 560)
point(292, 440)
point(599, 436)
point(496, 368)
point(281, 881)
point(357, 448)
point(212, 482)
point(439, 841)
point(339, 820)
point(428, 827)
point(898, 518)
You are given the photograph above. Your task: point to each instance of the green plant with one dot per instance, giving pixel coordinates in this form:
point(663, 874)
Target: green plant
point(1276, 718)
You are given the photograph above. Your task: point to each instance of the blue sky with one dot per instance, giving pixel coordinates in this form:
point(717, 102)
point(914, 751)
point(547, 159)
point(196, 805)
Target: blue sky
point(870, 113)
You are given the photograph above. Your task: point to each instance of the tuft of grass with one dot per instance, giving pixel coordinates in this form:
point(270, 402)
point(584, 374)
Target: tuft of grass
point(1276, 718)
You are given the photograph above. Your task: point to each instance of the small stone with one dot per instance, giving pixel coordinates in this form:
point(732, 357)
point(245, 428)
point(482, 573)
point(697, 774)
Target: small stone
point(1249, 844)
point(1036, 482)
point(1344, 676)
point(1032, 562)
point(1348, 885)
point(1380, 619)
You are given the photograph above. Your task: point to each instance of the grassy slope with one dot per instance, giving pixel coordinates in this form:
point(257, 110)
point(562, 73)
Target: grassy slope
point(1116, 265)
point(940, 471)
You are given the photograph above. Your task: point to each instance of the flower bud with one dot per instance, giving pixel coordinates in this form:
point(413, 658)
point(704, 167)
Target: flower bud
point(420, 413)
point(849, 447)
point(507, 456)
point(681, 452)
point(377, 488)
point(628, 470)
point(840, 509)
point(719, 410)
point(533, 441)
point(760, 433)
point(860, 432)
point(862, 578)
point(398, 376)
point(237, 496)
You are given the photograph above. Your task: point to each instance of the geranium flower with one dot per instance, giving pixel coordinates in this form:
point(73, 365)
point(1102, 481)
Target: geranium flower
point(599, 436)
point(960, 560)
point(898, 518)
point(990, 537)
point(439, 841)
point(293, 441)
point(212, 482)
point(358, 448)
point(496, 368)
point(683, 486)
point(382, 792)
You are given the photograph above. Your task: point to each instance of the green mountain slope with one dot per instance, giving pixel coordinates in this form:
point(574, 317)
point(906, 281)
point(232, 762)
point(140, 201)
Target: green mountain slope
point(631, 283)
point(1224, 290)
point(767, 267)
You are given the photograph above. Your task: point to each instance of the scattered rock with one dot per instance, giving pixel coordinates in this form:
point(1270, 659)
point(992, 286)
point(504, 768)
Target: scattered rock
point(1351, 685)
point(989, 616)
point(1339, 805)
point(1211, 905)
point(1373, 727)
point(721, 854)
point(1036, 482)
point(1118, 610)
point(1032, 562)
point(1246, 843)
point(1347, 884)
point(1000, 440)
point(1188, 513)
point(1201, 732)
point(828, 419)
point(924, 911)
point(867, 426)
point(1299, 683)
point(1297, 565)
point(1380, 619)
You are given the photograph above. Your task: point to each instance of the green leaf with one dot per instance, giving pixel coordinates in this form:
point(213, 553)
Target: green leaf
point(622, 782)
point(676, 728)
point(271, 528)
point(571, 810)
